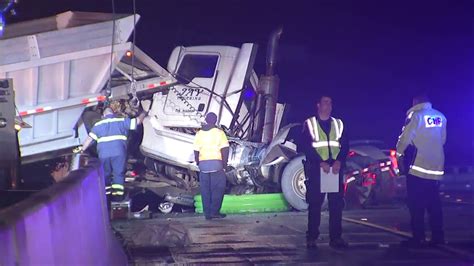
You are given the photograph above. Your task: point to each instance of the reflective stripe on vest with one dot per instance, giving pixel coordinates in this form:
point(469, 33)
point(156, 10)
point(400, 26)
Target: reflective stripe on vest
point(426, 171)
point(111, 138)
point(320, 139)
point(93, 136)
point(320, 144)
point(109, 120)
point(133, 124)
point(133, 121)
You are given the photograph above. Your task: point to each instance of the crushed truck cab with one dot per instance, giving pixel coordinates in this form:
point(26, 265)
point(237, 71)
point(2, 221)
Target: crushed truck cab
point(211, 79)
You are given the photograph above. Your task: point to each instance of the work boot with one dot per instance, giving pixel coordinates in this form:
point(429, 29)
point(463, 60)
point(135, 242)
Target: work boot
point(218, 216)
point(338, 243)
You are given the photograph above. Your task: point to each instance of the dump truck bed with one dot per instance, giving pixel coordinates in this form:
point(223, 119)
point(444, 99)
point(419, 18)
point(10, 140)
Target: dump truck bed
point(60, 65)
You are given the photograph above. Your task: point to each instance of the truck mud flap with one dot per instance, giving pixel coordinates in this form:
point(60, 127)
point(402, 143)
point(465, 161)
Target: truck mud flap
point(253, 203)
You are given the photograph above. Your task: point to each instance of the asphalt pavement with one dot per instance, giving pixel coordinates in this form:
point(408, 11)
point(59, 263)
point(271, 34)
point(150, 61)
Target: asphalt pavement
point(279, 238)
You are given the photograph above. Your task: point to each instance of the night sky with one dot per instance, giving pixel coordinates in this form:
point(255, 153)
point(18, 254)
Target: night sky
point(370, 55)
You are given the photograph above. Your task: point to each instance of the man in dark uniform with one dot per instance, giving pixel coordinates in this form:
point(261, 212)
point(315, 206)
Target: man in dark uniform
point(111, 135)
point(326, 147)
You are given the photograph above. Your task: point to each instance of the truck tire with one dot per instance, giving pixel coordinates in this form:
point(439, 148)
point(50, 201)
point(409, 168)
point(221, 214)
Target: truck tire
point(292, 184)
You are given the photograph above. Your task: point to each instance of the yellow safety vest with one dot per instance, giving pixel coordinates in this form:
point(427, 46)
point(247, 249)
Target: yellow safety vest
point(209, 144)
point(321, 143)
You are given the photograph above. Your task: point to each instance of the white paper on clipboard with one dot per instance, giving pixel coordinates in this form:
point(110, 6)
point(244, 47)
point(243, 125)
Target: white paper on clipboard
point(329, 182)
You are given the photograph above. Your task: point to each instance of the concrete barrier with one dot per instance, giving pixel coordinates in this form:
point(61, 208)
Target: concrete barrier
point(66, 224)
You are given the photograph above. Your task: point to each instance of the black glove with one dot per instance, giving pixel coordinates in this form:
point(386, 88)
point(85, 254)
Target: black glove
point(402, 167)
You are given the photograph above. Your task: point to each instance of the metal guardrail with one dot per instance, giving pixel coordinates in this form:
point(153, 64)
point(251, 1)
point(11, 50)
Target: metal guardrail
point(65, 224)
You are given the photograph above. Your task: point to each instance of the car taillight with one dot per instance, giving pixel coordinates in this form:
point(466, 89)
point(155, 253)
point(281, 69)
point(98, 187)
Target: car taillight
point(393, 159)
point(352, 153)
point(369, 179)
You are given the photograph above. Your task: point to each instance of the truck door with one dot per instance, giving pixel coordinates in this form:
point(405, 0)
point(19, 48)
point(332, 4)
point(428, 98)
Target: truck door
point(196, 74)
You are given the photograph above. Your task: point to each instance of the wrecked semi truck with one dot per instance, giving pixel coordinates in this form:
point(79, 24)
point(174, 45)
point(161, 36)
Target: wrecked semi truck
point(64, 67)
point(262, 159)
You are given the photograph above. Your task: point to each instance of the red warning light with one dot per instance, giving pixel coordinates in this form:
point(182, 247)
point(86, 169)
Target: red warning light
point(393, 153)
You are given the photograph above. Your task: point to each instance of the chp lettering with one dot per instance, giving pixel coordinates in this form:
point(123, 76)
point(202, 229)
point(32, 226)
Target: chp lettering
point(433, 121)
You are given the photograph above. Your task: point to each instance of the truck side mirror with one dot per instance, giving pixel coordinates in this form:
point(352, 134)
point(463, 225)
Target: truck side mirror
point(174, 59)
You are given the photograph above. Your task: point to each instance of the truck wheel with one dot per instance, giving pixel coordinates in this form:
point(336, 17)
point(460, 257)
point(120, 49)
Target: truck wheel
point(166, 207)
point(292, 184)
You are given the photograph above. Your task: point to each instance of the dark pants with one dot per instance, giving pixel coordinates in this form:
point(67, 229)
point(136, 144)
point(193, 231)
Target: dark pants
point(423, 194)
point(212, 191)
point(315, 199)
point(114, 172)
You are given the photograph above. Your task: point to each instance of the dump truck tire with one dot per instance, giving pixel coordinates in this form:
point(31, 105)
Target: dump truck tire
point(292, 184)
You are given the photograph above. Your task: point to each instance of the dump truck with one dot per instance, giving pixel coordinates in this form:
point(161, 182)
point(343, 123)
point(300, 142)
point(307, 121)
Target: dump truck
point(66, 68)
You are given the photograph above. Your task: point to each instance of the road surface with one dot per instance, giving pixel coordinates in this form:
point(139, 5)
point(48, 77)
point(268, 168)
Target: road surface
point(271, 238)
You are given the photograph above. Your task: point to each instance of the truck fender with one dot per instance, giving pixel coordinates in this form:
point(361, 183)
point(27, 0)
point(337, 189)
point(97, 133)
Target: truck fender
point(279, 150)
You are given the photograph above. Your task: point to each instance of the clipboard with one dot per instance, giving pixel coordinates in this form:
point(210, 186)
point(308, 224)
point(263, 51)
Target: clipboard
point(329, 182)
